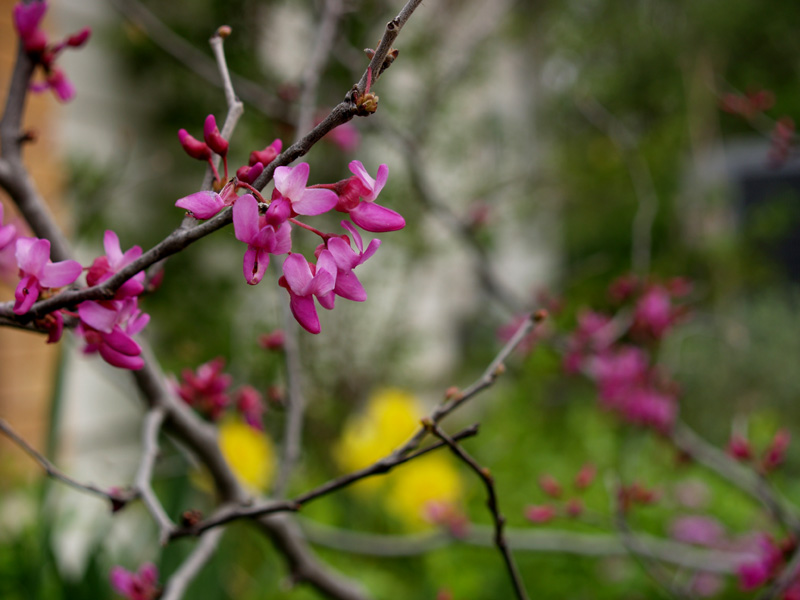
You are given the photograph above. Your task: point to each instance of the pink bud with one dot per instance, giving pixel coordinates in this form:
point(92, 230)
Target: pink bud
point(776, 452)
point(540, 514)
point(192, 147)
point(76, 40)
point(574, 507)
point(550, 486)
point(585, 476)
point(274, 340)
point(268, 154)
point(739, 448)
point(213, 137)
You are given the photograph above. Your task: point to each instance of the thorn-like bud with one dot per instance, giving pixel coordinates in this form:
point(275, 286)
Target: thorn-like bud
point(452, 393)
point(224, 31)
point(190, 518)
point(540, 315)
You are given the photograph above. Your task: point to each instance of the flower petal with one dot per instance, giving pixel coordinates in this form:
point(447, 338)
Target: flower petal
point(373, 217)
point(26, 294)
point(122, 342)
point(298, 275)
point(118, 359)
point(245, 219)
point(291, 181)
point(32, 254)
point(304, 311)
point(315, 202)
point(111, 246)
point(202, 205)
point(60, 274)
point(348, 286)
point(97, 316)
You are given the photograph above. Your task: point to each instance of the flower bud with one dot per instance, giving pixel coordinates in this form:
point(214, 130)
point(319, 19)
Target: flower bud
point(212, 136)
point(192, 147)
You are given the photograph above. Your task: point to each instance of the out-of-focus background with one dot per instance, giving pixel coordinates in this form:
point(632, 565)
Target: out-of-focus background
point(538, 151)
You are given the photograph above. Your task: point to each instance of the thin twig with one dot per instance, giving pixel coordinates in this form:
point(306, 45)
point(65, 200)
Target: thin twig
point(151, 427)
point(114, 497)
point(491, 502)
point(180, 580)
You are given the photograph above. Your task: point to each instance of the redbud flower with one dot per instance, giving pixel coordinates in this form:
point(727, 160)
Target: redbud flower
point(248, 174)
point(206, 389)
point(38, 273)
point(540, 514)
point(56, 80)
point(776, 452)
point(108, 328)
point(250, 403)
point(213, 137)
point(367, 214)
point(697, 529)
point(193, 147)
point(264, 235)
point(290, 183)
point(654, 315)
point(274, 340)
point(346, 259)
point(267, 155)
point(205, 204)
point(739, 448)
point(142, 585)
point(114, 260)
point(303, 281)
point(27, 18)
point(585, 476)
point(550, 486)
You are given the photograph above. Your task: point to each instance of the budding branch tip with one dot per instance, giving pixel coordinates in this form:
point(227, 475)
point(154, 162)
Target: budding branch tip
point(540, 315)
point(224, 31)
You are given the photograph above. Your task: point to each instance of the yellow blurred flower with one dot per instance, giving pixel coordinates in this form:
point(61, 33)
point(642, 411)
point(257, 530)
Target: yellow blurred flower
point(249, 453)
point(389, 419)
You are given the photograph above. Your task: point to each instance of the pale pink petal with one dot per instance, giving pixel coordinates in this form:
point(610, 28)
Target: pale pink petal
point(380, 181)
point(283, 239)
point(298, 275)
point(113, 251)
point(202, 205)
point(137, 323)
point(7, 233)
point(357, 169)
point(372, 217)
point(354, 235)
point(315, 202)
point(149, 573)
point(245, 219)
point(60, 274)
point(132, 287)
point(342, 254)
point(371, 249)
point(32, 254)
point(291, 181)
point(249, 264)
point(121, 581)
point(97, 316)
point(304, 311)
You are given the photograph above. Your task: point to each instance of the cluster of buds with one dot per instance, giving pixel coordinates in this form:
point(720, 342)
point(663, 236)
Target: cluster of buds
point(772, 457)
point(771, 560)
point(748, 105)
point(206, 389)
point(781, 143)
point(572, 507)
point(27, 19)
point(266, 226)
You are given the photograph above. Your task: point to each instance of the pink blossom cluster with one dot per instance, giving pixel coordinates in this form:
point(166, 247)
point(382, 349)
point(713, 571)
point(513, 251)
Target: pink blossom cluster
point(141, 585)
point(206, 389)
point(27, 21)
point(107, 326)
point(772, 457)
point(770, 562)
point(616, 355)
point(572, 507)
point(266, 227)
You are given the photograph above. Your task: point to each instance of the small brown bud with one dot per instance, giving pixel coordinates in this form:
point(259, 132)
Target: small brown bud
point(452, 393)
point(366, 104)
point(540, 315)
point(190, 518)
point(501, 368)
point(224, 31)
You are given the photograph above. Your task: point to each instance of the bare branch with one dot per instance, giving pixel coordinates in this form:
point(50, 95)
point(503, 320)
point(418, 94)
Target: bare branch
point(150, 429)
point(180, 580)
point(117, 498)
point(491, 503)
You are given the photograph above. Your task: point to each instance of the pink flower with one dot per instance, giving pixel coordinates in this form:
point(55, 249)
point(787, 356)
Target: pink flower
point(303, 281)
point(654, 314)
point(250, 403)
point(540, 514)
point(114, 260)
point(290, 183)
point(213, 137)
point(264, 235)
point(38, 273)
point(56, 80)
point(357, 197)
point(346, 259)
point(206, 389)
point(267, 155)
point(27, 18)
point(108, 328)
point(142, 585)
point(205, 204)
point(193, 147)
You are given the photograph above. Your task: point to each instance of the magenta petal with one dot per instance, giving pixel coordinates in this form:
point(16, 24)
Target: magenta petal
point(121, 580)
point(291, 181)
point(26, 294)
point(315, 202)
point(283, 239)
point(249, 264)
point(355, 235)
point(372, 217)
point(357, 169)
point(342, 254)
point(111, 246)
point(7, 233)
point(149, 573)
point(132, 287)
point(202, 205)
point(380, 181)
point(60, 274)
point(137, 323)
point(245, 219)
point(122, 342)
point(348, 286)
point(32, 254)
point(28, 16)
point(123, 361)
point(297, 273)
point(97, 316)
point(305, 312)
point(371, 249)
